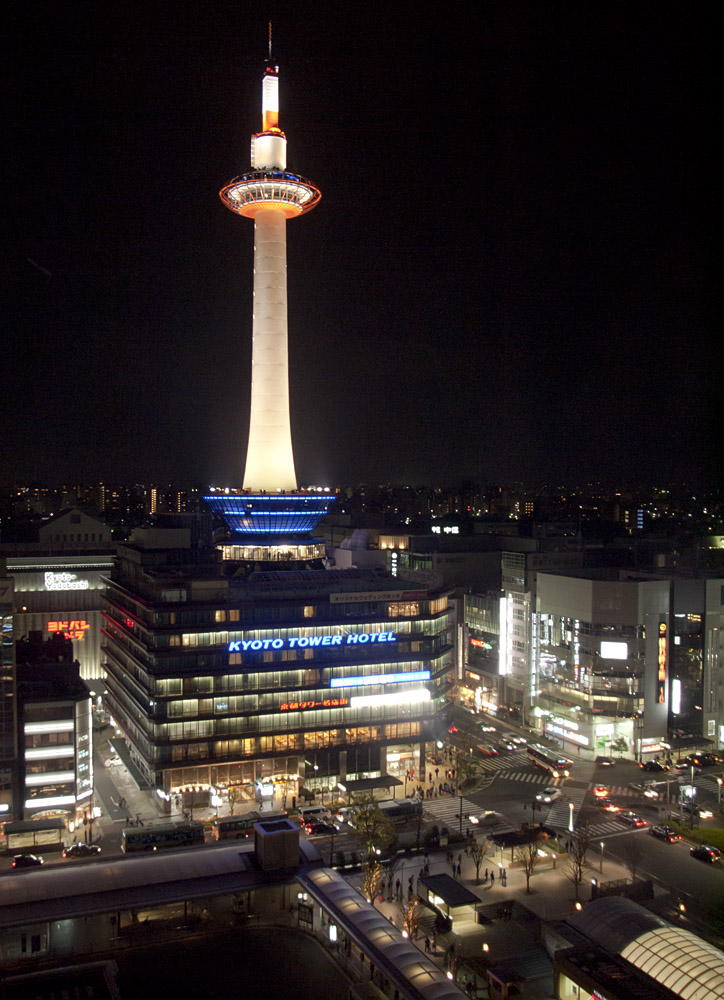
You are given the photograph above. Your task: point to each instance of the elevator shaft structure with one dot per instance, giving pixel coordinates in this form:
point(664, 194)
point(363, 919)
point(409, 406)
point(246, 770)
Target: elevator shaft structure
point(270, 195)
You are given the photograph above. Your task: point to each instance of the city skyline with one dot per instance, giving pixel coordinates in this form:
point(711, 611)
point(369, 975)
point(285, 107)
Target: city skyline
point(508, 276)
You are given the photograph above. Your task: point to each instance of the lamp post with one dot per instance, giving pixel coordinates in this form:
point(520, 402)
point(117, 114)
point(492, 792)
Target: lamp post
point(718, 792)
point(602, 846)
point(571, 828)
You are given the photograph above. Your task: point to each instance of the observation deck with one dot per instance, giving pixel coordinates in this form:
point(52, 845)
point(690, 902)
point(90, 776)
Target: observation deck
point(277, 190)
point(269, 516)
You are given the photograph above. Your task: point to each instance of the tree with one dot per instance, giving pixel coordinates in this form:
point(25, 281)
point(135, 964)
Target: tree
point(632, 854)
point(478, 850)
point(410, 917)
point(371, 879)
point(234, 796)
point(370, 824)
point(577, 862)
point(528, 858)
point(620, 746)
point(392, 868)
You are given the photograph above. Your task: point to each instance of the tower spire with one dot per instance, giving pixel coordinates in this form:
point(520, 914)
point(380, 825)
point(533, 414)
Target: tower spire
point(270, 55)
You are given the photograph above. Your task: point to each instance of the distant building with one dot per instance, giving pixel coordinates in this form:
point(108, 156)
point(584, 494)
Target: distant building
point(8, 702)
point(55, 753)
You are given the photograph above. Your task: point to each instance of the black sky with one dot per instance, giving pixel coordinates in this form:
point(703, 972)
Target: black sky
point(508, 276)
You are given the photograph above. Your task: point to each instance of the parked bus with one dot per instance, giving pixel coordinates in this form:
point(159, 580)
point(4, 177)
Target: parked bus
point(156, 838)
point(238, 827)
point(399, 810)
point(549, 760)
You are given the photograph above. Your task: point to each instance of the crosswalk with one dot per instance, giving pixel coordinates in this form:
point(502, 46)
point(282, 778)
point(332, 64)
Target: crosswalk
point(530, 777)
point(446, 812)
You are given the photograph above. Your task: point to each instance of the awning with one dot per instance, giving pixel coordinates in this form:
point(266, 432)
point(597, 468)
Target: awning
point(450, 891)
point(369, 784)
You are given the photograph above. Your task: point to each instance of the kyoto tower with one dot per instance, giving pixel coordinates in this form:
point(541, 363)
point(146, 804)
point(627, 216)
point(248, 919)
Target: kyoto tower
point(270, 195)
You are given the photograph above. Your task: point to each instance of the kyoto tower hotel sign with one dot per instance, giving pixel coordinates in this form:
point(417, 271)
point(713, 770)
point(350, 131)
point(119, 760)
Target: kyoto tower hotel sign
point(270, 195)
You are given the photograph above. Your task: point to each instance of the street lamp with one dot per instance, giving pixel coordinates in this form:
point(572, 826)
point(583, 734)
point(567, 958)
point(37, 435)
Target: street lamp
point(602, 846)
point(718, 791)
point(571, 828)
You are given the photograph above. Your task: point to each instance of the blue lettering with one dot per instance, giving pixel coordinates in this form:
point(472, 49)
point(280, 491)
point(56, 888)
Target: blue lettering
point(292, 643)
point(316, 640)
point(234, 647)
point(277, 643)
point(326, 641)
point(352, 638)
point(363, 637)
point(246, 644)
point(336, 640)
point(303, 641)
point(256, 643)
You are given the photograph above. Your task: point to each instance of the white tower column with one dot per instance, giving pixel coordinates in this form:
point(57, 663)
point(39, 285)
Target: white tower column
point(269, 459)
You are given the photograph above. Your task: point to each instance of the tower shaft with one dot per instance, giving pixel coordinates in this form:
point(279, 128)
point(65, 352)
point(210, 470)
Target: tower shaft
point(270, 459)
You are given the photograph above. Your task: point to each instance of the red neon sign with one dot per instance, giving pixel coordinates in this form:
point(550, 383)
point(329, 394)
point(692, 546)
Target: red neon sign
point(71, 629)
point(301, 706)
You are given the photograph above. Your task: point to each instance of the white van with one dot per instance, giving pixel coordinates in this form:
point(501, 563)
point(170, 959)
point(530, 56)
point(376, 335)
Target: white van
point(314, 814)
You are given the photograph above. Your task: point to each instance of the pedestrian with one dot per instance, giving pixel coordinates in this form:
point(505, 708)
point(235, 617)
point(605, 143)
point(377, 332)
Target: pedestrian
point(437, 772)
point(429, 777)
point(492, 876)
point(459, 869)
point(427, 945)
point(485, 879)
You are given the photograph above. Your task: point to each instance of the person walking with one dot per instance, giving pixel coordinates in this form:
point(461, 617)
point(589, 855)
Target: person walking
point(492, 876)
point(427, 945)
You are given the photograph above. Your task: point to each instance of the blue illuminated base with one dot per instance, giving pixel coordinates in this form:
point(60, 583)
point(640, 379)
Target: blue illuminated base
point(256, 516)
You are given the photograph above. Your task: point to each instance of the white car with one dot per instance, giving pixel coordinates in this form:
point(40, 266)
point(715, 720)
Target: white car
point(549, 794)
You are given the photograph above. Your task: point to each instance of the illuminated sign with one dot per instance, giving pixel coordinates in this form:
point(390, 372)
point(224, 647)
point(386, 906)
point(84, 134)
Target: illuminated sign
point(411, 675)
point(662, 663)
point(614, 650)
point(447, 529)
point(71, 629)
point(475, 677)
point(396, 698)
point(676, 696)
point(300, 642)
point(65, 581)
point(303, 706)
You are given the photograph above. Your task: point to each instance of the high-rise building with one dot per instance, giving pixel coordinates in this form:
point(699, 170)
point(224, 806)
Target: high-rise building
point(250, 662)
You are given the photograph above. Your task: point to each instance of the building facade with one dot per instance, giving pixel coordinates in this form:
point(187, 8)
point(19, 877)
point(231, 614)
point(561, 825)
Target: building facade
point(218, 678)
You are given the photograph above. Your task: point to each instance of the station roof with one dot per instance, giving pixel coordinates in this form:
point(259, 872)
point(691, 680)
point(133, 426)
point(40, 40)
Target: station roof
point(401, 961)
point(676, 959)
point(85, 888)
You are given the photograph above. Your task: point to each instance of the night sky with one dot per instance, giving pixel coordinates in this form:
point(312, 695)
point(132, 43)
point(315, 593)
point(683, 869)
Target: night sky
point(508, 277)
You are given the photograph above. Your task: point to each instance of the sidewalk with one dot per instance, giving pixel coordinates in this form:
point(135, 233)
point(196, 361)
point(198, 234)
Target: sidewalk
point(495, 940)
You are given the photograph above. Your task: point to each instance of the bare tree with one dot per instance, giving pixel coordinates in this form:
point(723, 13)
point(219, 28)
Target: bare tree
point(478, 851)
point(392, 868)
point(371, 824)
point(234, 797)
point(632, 854)
point(371, 879)
point(528, 858)
point(577, 863)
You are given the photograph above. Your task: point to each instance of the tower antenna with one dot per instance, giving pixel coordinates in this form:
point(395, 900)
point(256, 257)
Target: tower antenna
point(270, 42)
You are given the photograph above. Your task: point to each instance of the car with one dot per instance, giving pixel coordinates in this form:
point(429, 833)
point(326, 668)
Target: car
point(453, 729)
point(485, 728)
point(27, 861)
point(520, 740)
point(710, 759)
point(605, 761)
point(654, 765)
point(702, 813)
point(487, 750)
point(645, 788)
point(81, 850)
point(600, 791)
point(684, 768)
point(506, 744)
point(704, 852)
point(665, 833)
point(607, 805)
point(631, 819)
point(549, 794)
point(320, 829)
